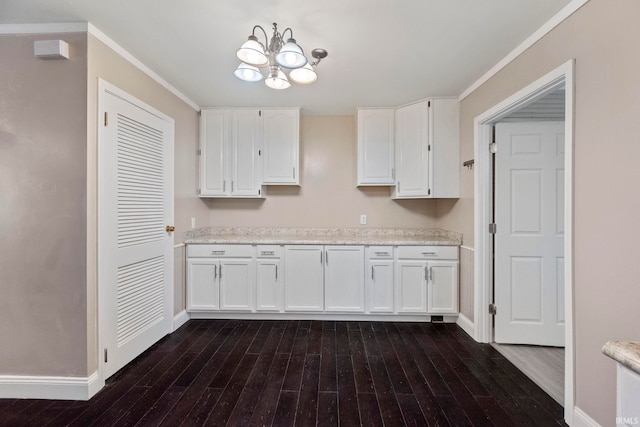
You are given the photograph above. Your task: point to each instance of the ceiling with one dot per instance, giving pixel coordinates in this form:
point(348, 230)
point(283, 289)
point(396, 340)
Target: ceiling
point(381, 52)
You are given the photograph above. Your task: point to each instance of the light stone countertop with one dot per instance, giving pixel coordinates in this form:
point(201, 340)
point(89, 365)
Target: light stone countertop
point(324, 236)
point(626, 353)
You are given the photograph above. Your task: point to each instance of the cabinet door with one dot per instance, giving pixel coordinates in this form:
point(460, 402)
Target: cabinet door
point(344, 278)
point(281, 145)
point(236, 278)
point(411, 290)
point(215, 133)
point(376, 147)
point(268, 285)
point(412, 151)
point(304, 278)
point(202, 284)
point(245, 164)
point(445, 148)
point(442, 289)
point(379, 290)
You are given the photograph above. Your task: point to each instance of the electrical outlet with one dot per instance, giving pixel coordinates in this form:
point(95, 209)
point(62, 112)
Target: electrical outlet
point(363, 219)
point(193, 223)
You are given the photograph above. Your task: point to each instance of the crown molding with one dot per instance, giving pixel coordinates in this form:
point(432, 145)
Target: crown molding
point(44, 28)
point(566, 12)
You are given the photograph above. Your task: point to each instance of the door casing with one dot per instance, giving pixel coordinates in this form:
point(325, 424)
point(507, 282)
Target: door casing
point(483, 292)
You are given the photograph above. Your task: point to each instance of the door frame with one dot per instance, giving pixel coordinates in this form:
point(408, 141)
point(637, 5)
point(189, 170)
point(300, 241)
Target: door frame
point(483, 291)
point(104, 88)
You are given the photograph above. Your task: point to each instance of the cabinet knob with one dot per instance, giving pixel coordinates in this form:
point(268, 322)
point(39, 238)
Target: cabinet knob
point(170, 228)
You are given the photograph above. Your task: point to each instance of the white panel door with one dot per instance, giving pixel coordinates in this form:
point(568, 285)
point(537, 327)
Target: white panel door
point(202, 284)
point(529, 182)
point(268, 284)
point(304, 278)
point(237, 282)
point(281, 142)
point(442, 288)
point(246, 170)
point(135, 205)
point(376, 147)
point(412, 155)
point(215, 134)
point(379, 289)
point(411, 286)
point(344, 278)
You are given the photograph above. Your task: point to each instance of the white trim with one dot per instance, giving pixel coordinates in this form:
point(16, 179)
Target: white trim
point(466, 325)
point(581, 419)
point(563, 75)
point(179, 245)
point(59, 388)
point(346, 317)
point(468, 248)
point(180, 319)
point(94, 31)
point(44, 28)
point(556, 20)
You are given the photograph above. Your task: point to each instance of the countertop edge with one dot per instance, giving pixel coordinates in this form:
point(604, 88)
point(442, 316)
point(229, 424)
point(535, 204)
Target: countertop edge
point(627, 353)
point(315, 241)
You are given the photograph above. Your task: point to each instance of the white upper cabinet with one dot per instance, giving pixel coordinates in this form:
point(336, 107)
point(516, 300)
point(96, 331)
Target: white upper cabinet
point(243, 149)
point(230, 144)
point(427, 149)
point(281, 145)
point(376, 146)
point(412, 151)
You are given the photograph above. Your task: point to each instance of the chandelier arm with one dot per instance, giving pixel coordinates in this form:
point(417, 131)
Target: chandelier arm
point(285, 31)
point(266, 38)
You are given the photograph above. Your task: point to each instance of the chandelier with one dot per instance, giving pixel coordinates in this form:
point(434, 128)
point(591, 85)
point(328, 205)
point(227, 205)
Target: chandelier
point(277, 57)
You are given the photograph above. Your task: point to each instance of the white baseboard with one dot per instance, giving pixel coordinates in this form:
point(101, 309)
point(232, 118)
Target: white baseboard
point(466, 325)
point(180, 319)
point(581, 419)
point(59, 388)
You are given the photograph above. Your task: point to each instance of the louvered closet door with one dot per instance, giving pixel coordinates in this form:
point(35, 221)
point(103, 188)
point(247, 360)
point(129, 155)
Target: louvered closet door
point(135, 249)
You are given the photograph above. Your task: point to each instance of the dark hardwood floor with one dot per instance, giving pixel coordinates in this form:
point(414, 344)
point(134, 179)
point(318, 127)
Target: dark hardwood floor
point(284, 373)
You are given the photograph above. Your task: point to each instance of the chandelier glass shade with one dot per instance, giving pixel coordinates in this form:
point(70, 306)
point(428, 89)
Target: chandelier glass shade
point(276, 57)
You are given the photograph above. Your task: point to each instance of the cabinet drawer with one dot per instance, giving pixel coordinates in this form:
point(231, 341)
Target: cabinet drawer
point(220, 251)
point(380, 252)
point(269, 251)
point(427, 252)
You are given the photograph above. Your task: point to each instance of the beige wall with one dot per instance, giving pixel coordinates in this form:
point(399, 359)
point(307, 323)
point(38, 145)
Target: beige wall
point(42, 209)
point(105, 63)
point(603, 38)
point(328, 196)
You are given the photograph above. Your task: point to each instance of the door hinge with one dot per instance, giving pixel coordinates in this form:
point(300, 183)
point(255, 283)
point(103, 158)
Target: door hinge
point(200, 191)
point(493, 228)
point(429, 147)
point(106, 118)
point(429, 104)
point(493, 148)
point(259, 113)
point(428, 192)
point(493, 309)
point(258, 192)
point(106, 359)
point(259, 153)
point(199, 152)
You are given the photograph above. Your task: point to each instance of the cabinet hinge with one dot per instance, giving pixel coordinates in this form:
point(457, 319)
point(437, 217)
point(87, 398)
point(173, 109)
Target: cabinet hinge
point(493, 309)
point(493, 228)
point(106, 358)
point(493, 148)
point(106, 118)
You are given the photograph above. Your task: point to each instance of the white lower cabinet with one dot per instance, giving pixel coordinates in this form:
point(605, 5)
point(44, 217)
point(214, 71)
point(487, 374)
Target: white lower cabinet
point(379, 279)
point(427, 279)
point(304, 278)
point(269, 289)
point(202, 284)
point(220, 277)
point(344, 279)
point(403, 280)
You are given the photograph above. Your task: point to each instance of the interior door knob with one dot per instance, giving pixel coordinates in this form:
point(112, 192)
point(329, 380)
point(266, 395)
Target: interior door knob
point(170, 228)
